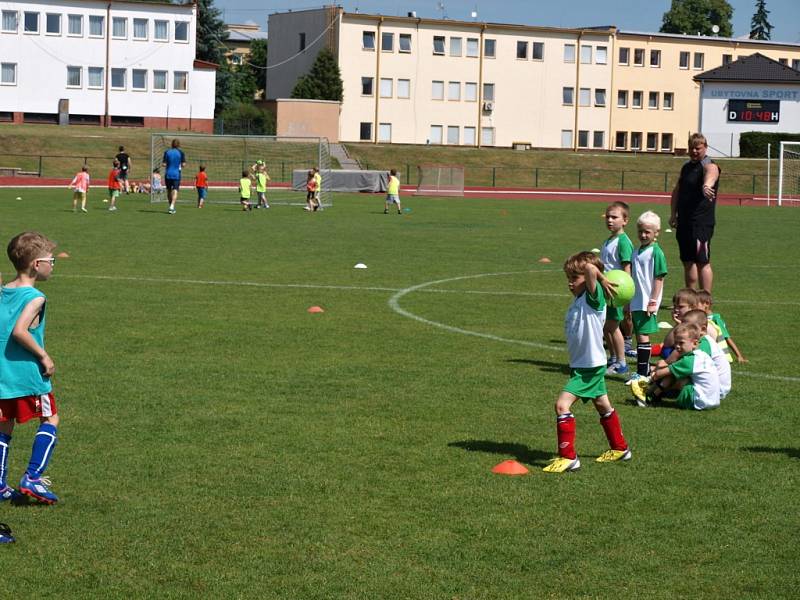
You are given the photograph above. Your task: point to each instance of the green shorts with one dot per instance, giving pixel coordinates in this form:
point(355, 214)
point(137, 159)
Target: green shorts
point(614, 313)
point(587, 384)
point(644, 324)
point(686, 397)
point(113, 193)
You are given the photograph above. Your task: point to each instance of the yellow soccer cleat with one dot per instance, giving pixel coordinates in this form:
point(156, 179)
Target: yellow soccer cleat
point(614, 455)
point(639, 390)
point(562, 465)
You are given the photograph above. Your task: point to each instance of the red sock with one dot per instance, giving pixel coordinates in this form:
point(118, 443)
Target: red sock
point(565, 428)
point(611, 426)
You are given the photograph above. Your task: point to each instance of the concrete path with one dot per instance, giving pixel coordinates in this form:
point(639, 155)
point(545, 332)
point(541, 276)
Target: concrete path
point(339, 152)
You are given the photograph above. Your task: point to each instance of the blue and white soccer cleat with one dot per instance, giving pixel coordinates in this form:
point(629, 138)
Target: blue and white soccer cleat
point(8, 494)
point(5, 534)
point(37, 489)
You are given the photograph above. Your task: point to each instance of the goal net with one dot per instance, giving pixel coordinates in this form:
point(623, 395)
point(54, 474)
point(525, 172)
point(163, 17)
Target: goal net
point(226, 157)
point(440, 180)
point(789, 173)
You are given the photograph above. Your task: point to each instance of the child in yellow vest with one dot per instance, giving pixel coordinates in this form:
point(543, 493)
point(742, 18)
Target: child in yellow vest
point(392, 193)
point(245, 190)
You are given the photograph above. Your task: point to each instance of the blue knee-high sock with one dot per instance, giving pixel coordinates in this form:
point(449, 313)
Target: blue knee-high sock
point(5, 443)
point(43, 444)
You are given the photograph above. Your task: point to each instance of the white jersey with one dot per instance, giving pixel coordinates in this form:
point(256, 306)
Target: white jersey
point(698, 366)
point(615, 251)
point(648, 264)
point(583, 328)
point(710, 347)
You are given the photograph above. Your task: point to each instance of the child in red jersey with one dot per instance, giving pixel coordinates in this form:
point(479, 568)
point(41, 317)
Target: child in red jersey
point(114, 184)
point(201, 183)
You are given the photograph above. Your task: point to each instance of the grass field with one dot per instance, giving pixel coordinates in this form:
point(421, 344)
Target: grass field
point(219, 441)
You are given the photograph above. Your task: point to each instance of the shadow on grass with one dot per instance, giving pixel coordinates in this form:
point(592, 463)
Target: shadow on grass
point(519, 452)
point(550, 367)
point(790, 452)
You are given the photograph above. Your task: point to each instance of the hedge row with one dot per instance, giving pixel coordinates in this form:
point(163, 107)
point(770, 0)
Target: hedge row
point(753, 144)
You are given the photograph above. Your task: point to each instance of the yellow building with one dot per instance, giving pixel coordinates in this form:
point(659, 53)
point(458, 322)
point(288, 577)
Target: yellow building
point(239, 39)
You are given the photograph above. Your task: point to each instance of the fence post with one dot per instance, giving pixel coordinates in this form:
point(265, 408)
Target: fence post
point(408, 174)
point(665, 181)
point(754, 185)
point(40, 164)
point(494, 178)
point(580, 176)
point(536, 181)
point(622, 182)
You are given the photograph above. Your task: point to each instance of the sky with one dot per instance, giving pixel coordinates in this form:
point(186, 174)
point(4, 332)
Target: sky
point(630, 15)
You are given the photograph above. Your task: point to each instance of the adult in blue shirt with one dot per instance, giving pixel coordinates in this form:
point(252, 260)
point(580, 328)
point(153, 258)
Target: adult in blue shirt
point(173, 162)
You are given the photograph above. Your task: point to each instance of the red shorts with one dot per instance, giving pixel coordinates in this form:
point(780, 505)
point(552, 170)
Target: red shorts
point(26, 408)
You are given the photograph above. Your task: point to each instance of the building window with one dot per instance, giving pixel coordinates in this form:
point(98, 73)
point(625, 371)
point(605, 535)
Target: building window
point(600, 97)
point(472, 47)
point(138, 79)
point(161, 31)
point(437, 90)
point(404, 42)
point(727, 59)
point(621, 140)
point(97, 25)
point(569, 53)
point(368, 43)
point(489, 47)
point(385, 132)
point(301, 42)
point(636, 140)
point(638, 57)
point(566, 138)
point(652, 142)
point(585, 97)
point(622, 98)
point(436, 134)
point(655, 58)
point(583, 138)
point(404, 88)
point(599, 139)
point(454, 90)
point(455, 46)
point(471, 91)
point(698, 60)
point(637, 99)
point(117, 79)
point(538, 51)
point(53, 24)
point(181, 31)
point(74, 77)
point(784, 61)
point(8, 73)
point(522, 49)
point(652, 100)
point(386, 87)
point(95, 78)
point(488, 92)
point(75, 25)
point(669, 98)
point(453, 136)
point(160, 81)
point(140, 29)
point(180, 81)
point(387, 45)
point(236, 59)
point(469, 136)
point(624, 56)
point(366, 86)
point(601, 55)
point(568, 96)
point(683, 60)
point(31, 22)
point(438, 44)
point(119, 27)
point(365, 130)
point(796, 64)
point(10, 22)
point(586, 55)
point(487, 136)
point(666, 142)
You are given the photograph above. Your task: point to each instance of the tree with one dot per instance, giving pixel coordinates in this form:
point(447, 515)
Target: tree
point(698, 16)
point(760, 28)
point(323, 81)
point(211, 34)
point(257, 64)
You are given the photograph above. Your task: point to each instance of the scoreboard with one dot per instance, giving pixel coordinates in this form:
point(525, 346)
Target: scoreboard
point(754, 111)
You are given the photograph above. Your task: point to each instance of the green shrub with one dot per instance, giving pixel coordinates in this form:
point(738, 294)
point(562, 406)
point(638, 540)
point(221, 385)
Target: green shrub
point(245, 119)
point(753, 144)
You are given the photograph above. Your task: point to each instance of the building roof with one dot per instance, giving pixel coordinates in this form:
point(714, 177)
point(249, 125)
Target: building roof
point(755, 67)
point(708, 38)
point(245, 33)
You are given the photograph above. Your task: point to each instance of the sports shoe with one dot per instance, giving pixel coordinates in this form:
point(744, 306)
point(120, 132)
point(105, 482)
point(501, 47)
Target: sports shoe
point(614, 455)
point(170, 211)
point(37, 489)
point(639, 391)
point(8, 494)
point(562, 465)
point(112, 208)
point(630, 352)
point(636, 377)
point(83, 209)
point(619, 368)
point(386, 211)
point(5, 534)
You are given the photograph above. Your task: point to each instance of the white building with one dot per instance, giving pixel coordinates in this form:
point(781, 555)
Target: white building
point(104, 62)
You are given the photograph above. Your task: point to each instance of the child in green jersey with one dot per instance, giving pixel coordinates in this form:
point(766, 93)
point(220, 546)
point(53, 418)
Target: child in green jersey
point(245, 190)
point(723, 338)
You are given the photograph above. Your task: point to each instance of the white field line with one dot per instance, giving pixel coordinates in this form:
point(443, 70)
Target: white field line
point(394, 302)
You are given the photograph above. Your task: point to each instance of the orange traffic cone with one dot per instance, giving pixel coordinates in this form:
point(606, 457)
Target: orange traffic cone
point(510, 467)
point(315, 309)
point(545, 260)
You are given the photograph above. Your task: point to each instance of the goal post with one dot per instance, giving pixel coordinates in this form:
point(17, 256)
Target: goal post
point(440, 180)
point(225, 157)
point(789, 172)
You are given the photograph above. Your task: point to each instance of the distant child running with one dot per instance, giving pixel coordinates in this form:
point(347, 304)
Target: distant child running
point(201, 183)
point(583, 327)
point(80, 188)
point(311, 189)
point(115, 185)
point(392, 193)
point(262, 179)
point(245, 190)
point(25, 366)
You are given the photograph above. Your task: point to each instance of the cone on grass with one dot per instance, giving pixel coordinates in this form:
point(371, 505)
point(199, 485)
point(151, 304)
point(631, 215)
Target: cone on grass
point(360, 266)
point(545, 261)
point(510, 467)
point(62, 255)
point(316, 309)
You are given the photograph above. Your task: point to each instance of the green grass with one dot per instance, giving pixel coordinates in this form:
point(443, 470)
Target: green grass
point(219, 441)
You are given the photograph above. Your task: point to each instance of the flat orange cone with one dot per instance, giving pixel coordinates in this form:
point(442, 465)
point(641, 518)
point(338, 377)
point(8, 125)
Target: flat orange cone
point(545, 260)
point(62, 255)
point(315, 309)
point(510, 467)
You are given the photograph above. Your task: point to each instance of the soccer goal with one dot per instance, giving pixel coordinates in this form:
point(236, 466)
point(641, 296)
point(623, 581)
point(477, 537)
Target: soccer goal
point(225, 157)
point(789, 173)
point(440, 180)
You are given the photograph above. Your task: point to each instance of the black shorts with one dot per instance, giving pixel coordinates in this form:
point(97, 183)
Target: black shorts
point(123, 174)
point(694, 242)
point(172, 184)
